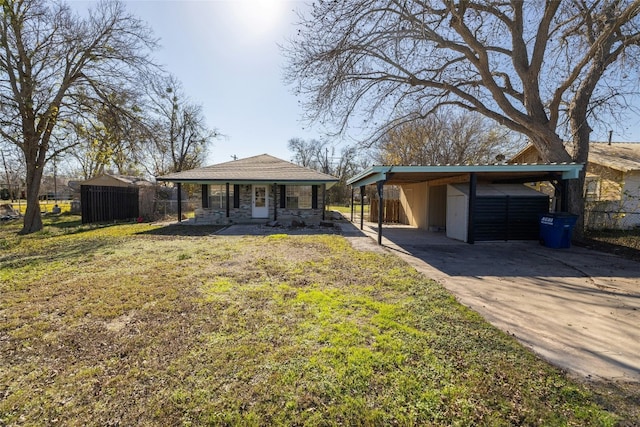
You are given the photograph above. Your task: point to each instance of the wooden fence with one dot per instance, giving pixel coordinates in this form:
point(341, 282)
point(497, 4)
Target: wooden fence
point(100, 203)
point(391, 211)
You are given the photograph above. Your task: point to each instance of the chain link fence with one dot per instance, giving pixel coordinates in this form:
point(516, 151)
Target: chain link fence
point(166, 209)
point(611, 216)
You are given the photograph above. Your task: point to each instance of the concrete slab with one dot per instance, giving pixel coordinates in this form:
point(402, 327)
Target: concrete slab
point(577, 308)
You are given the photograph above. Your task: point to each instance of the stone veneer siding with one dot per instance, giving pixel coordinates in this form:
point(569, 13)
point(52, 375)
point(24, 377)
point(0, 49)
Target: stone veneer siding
point(242, 214)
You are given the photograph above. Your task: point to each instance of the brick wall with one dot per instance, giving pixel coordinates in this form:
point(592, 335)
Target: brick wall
point(243, 214)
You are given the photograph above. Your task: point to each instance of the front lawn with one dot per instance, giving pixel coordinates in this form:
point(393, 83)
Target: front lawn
point(134, 325)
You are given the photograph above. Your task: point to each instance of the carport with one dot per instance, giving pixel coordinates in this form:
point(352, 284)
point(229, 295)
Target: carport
point(422, 188)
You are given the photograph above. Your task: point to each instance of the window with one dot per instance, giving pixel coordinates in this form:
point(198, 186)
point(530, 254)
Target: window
point(299, 197)
point(218, 196)
point(592, 188)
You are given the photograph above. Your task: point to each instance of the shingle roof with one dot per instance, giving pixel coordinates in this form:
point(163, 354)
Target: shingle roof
point(262, 168)
point(623, 156)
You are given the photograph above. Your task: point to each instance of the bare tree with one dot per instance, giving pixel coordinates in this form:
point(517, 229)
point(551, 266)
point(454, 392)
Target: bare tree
point(445, 139)
point(109, 137)
point(51, 61)
point(177, 128)
point(306, 153)
point(324, 157)
point(12, 170)
point(543, 69)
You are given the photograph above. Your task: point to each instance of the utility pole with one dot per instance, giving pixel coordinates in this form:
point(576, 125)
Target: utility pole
point(6, 171)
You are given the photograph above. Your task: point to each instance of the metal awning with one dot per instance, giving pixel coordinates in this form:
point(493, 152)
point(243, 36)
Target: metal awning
point(398, 175)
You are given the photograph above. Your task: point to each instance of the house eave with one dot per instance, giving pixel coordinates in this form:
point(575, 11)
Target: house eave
point(203, 181)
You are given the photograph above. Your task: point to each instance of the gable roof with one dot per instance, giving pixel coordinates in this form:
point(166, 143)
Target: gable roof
point(114, 181)
point(623, 156)
point(262, 168)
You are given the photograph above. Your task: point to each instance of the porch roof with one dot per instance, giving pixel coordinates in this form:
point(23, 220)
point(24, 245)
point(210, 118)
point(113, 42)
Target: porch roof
point(257, 169)
point(507, 173)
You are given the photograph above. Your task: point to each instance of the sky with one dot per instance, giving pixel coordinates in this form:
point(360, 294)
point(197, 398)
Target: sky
point(226, 54)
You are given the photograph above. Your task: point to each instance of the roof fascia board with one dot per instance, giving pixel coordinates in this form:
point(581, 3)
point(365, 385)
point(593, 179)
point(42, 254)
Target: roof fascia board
point(378, 173)
point(247, 182)
point(371, 175)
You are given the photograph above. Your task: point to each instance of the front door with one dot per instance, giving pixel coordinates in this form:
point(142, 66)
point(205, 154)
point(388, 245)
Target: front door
point(260, 201)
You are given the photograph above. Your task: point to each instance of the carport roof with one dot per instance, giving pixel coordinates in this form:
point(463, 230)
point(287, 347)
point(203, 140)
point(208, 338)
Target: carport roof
point(398, 175)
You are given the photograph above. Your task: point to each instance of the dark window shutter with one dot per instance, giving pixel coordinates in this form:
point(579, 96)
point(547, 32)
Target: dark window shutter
point(283, 196)
point(205, 196)
point(314, 197)
point(236, 196)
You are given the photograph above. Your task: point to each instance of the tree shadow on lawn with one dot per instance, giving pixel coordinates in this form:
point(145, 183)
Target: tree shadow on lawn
point(177, 229)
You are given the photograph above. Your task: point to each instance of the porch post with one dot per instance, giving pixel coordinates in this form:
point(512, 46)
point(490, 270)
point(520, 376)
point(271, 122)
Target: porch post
point(324, 200)
point(275, 201)
point(228, 199)
point(362, 207)
point(380, 185)
point(473, 183)
point(351, 204)
point(179, 202)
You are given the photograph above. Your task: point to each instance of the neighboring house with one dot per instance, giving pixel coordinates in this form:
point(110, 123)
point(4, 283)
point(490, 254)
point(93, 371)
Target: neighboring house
point(470, 202)
point(116, 197)
point(257, 189)
point(612, 183)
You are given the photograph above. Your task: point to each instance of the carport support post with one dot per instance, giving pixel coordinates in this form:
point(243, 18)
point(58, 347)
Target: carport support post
point(564, 196)
point(473, 183)
point(362, 207)
point(380, 185)
point(179, 195)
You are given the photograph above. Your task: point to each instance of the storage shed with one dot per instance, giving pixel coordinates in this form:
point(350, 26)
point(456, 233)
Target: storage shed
point(115, 197)
point(501, 212)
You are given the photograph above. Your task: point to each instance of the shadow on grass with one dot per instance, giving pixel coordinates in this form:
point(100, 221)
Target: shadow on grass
point(72, 224)
point(70, 251)
point(62, 221)
point(183, 230)
point(610, 248)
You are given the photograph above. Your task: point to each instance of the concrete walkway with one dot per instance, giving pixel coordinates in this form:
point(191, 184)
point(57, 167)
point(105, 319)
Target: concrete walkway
point(579, 309)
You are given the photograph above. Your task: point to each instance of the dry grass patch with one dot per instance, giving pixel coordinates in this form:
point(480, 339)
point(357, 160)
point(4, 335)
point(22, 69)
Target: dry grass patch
point(126, 325)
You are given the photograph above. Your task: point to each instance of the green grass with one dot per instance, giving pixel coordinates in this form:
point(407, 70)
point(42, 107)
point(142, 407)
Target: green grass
point(45, 205)
point(347, 209)
point(134, 325)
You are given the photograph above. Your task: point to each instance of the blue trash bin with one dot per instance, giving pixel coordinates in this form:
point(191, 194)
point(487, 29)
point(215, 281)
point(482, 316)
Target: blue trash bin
point(556, 229)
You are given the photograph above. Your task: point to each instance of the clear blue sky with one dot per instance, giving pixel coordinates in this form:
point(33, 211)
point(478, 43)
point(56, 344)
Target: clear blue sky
point(226, 54)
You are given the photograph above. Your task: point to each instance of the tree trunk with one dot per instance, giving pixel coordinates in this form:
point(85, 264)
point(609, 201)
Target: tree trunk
point(576, 202)
point(32, 217)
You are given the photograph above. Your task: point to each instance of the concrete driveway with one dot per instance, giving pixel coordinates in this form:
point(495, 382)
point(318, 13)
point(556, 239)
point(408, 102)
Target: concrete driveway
point(577, 308)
